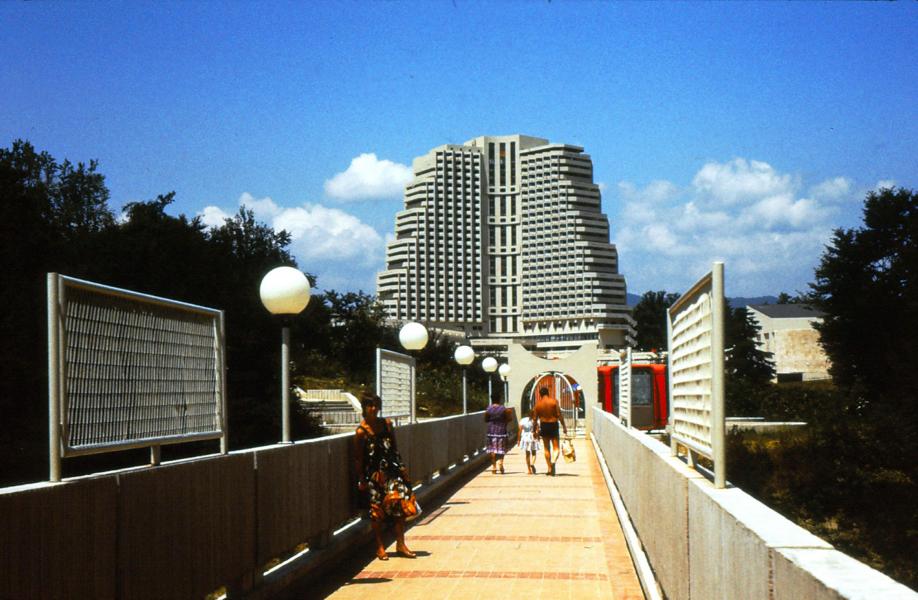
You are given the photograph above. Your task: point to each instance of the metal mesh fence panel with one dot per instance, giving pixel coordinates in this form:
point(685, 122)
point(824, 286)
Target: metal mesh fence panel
point(136, 370)
point(395, 382)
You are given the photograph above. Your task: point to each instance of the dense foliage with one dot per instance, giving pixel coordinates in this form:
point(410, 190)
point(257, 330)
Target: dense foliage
point(867, 284)
point(650, 316)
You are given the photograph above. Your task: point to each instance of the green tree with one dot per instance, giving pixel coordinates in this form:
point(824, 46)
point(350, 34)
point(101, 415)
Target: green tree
point(650, 314)
point(744, 360)
point(357, 327)
point(748, 369)
point(867, 286)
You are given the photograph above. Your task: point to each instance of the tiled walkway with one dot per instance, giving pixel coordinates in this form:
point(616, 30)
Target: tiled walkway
point(512, 536)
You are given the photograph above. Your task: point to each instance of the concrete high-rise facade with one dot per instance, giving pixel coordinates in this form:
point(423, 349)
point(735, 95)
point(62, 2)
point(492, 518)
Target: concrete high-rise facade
point(504, 238)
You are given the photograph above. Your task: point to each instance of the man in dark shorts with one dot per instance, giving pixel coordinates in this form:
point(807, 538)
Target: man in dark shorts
point(548, 414)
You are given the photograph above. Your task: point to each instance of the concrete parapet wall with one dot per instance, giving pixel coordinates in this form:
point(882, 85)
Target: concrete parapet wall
point(186, 528)
point(709, 544)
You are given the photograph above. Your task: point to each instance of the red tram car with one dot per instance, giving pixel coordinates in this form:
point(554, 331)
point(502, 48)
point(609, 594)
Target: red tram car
point(649, 402)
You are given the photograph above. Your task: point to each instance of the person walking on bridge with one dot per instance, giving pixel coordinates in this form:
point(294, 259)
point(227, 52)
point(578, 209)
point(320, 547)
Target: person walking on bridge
point(548, 414)
point(382, 477)
point(497, 416)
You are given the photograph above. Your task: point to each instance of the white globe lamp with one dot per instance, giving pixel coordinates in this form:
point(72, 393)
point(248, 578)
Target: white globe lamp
point(464, 355)
point(285, 291)
point(504, 372)
point(489, 364)
point(413, 336)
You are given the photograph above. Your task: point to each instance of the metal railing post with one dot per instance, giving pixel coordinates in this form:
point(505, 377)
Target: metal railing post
point(54, 389)
point(285, 384)
point(717, 376)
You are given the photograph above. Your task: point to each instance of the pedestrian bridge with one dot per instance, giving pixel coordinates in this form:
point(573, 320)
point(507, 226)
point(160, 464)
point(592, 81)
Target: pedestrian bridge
point(627, 520)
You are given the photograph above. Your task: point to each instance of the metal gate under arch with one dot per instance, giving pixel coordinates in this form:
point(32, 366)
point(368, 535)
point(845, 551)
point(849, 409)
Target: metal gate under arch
point(563, 387)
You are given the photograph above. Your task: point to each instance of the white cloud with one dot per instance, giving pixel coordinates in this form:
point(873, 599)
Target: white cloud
point(213, 216)
point(832, 189)
point(368, 177)
point(341, 250)
point(654, 193)
point(740, 180)
point(744, 212)
point(884, 184)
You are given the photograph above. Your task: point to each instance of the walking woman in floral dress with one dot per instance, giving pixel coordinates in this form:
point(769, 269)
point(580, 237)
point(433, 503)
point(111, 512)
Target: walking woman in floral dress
point(382, 478)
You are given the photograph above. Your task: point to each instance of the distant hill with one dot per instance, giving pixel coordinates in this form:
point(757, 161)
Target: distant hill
point(633, 299)
point(737, 302)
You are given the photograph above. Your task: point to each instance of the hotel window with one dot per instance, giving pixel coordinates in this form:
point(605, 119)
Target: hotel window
point(491, 163)
point(503, 164)
point(512, 163)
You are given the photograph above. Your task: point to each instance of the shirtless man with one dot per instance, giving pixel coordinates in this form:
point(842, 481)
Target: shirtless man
point(548, 413)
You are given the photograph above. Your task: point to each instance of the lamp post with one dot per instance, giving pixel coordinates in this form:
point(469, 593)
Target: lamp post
point(464, 355)
point(504, 371)
point(489, 364)
point(284, 291)
point(413, 336)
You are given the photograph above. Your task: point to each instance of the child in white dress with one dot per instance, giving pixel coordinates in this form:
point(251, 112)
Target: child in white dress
point(529, 442)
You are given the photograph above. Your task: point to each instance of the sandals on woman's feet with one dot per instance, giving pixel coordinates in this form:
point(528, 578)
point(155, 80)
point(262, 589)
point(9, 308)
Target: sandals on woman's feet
point(502, 469)
point(406, 552)
point(381, 555)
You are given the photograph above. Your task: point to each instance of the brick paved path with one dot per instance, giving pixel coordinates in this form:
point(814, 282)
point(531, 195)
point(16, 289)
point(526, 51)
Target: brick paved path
point(486, 539)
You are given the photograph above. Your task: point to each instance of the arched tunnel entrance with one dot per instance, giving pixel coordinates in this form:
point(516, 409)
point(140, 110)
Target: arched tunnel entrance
point(562, 386)
point(569, 377)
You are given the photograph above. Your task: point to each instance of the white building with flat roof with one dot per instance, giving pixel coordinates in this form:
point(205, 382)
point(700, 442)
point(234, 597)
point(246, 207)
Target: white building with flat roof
point(503, 238)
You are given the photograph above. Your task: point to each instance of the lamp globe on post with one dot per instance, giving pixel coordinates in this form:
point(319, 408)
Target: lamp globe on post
point(413, 336)
point(284, 291)
point(489, 365)
point(464, 355)
point(504, 371)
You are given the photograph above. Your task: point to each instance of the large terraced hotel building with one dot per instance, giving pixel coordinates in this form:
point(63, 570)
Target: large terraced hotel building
point(503, 238)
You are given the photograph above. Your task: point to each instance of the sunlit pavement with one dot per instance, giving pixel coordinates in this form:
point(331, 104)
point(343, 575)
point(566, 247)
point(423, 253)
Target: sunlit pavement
point(512, 535)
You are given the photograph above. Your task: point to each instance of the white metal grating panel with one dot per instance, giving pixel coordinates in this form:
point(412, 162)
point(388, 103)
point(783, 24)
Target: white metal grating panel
point(395, 383)
point(134, 370)
point(624, 388)
point(696, 355)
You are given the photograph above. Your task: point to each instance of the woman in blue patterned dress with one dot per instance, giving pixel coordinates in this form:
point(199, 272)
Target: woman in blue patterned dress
point(497, 417)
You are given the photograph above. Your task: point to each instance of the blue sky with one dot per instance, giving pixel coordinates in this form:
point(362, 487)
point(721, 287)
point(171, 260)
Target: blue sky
point(742, 132)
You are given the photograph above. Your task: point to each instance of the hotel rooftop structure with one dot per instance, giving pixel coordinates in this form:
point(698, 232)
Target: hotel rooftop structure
point(503, 239)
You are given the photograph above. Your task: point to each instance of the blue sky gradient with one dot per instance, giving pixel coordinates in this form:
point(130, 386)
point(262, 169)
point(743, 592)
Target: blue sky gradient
point(743, 132)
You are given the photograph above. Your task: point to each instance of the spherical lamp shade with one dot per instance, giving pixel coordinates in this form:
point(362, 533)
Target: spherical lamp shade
point(413, 336)
point(464, 355)
point(504, 370)
point(284, 291)
point(489, 364)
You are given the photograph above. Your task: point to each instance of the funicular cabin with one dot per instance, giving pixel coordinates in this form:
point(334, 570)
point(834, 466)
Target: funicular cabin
point(649, 402)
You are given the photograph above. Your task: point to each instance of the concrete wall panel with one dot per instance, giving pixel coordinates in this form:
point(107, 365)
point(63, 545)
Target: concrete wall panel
point(58, 540)
point(824, 574)
point(187, 528)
